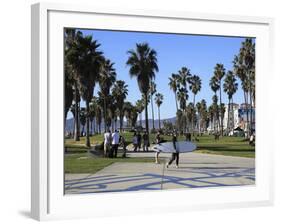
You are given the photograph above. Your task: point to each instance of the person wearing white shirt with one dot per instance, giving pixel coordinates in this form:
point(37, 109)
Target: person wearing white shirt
point(115, 142)
point(107, 142)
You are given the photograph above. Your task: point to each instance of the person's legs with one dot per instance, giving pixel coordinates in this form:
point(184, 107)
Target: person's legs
point(105, 150)
point(177, 159)
point(156, 157)
point(115, 150)
point(172, 159)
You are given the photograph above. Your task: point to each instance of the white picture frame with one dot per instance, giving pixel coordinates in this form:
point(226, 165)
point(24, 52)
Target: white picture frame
point(48, 200)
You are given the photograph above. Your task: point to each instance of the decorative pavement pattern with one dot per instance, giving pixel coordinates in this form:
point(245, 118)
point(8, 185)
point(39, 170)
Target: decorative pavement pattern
point(211, 171)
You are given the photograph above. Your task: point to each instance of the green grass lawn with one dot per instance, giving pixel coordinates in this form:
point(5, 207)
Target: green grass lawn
point(83, 163)
point(228, 146)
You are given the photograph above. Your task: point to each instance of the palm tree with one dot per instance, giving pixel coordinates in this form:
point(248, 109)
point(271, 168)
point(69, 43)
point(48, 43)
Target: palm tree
point(143, 65)
point(195, 87)
point(152, 91)
point(230, 87)
point(184, 76)
point(112, 112)
point(99, 117)
point(198, 109)
point(92, 115)
point(244, 68)
point(215, 109)
point(120, 92)
point(173, 83)
point(106, 80)
point(87, 61)
point(134, 116)
point(159, 100)
point(203, 114)
point(71, 76)
point(219, 74)
point(182, 96)
point(128, 109)
point(140, 108)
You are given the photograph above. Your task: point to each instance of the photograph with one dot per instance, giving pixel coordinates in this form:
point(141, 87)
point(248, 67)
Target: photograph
point(150, 111)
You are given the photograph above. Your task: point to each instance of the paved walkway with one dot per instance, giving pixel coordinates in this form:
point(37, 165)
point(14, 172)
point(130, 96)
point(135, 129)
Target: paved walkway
point(196, 171)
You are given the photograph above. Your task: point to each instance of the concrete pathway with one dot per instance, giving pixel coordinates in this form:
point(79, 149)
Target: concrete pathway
point(196, 170)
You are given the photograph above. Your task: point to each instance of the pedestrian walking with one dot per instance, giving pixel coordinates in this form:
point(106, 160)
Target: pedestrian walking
point(115, 143)
point(175, 155)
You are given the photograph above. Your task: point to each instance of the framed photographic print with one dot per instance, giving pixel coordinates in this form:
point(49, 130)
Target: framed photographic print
point(137, 109)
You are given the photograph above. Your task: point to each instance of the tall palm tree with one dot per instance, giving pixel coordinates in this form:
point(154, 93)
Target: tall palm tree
point(195, 86)
point(244, 68)
point(215, 109)
point(120, 92)
point(182, 96)
point(71, 75)
point(106, 80)
point(219, 73)
point(134, 116)
point(173, 83)
point(230, 87)
point(128, 109)
point(87, 60)
point(203, 114)
point(140, 108)
point(143, 65)
point(152, 91)
point(198, 109)
point(184, 76)
point(159, 100)
point(92, 114)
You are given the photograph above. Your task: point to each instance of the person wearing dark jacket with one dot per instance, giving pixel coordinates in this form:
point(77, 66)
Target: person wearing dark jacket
point(175, 155)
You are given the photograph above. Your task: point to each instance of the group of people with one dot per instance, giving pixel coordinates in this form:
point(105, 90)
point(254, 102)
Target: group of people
point(112, 142)
point(138, 139)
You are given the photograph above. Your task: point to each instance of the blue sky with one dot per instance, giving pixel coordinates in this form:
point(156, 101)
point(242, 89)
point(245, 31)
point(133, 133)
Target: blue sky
point(199, 53)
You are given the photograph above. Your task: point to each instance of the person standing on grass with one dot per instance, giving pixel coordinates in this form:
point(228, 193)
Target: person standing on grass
point(107, 142)
point(135, 142)
point(157, 140)
point(139, 140)
point(175, 155)
point(145, 141)
point(123, 144)
point(115, 143)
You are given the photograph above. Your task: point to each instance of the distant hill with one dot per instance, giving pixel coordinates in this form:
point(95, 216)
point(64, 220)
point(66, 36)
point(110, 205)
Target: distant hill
point(70, 123)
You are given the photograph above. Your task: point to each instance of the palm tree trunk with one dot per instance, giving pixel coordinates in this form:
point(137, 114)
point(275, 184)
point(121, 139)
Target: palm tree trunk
point(140, 123)
point(193, 114)
point(247, 111)
point(159, 118)
point(221, 115)
point(87, 125)
point(152, 111)
point(251, 112)
point(94, 125)
point(77, 131)
point(104, 113)
point(121, 121)
point(146, 116)
point(228, 110)
point(91, 127)
point(177, 107)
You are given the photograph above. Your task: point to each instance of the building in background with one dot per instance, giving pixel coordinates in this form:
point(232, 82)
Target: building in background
point(240, 117)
